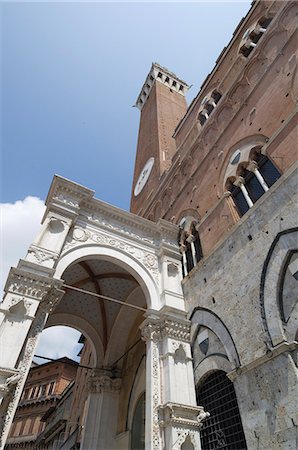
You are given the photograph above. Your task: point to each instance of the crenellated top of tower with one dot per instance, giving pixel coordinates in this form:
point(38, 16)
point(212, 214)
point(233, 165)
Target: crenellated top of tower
point(164, 76)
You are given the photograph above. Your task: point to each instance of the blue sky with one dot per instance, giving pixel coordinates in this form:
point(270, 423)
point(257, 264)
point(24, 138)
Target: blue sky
point(71, 73)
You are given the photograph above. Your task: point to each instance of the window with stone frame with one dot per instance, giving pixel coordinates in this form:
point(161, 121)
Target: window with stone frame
point(208, 104)
point(189, 244)
point(253, 179)
point(252, 36)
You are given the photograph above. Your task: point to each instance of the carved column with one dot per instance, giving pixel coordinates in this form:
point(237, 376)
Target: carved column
point(172, 416)
point(151, 334)
point(100, 428)
point(29, 298)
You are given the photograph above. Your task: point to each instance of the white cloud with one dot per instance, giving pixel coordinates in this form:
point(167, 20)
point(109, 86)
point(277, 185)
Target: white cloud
point(20, 223)
point(56, 342)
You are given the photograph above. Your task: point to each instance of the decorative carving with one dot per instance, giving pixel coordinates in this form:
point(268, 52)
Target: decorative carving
point(20, 283)
point(49, 303)
point(202, 416)
point(66, 199)
point(151, 331)
point(156, 395)
point(41, 255)
point(155, 329)
point(119, 227)
point(9, 383)
point(27, 304)
point(16, 386)
point(176, 330)
point(183, 435)
point(149, 260)
point(103, 383)
point(176, 414)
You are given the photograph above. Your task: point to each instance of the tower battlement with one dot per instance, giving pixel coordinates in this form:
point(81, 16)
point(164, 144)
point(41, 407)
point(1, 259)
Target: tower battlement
point(164, 76)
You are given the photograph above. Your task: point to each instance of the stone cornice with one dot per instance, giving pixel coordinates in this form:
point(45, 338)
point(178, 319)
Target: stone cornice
point(268, 356)
point(159, 326)
point(176, 414)
point(33, 285)
point(108, 218)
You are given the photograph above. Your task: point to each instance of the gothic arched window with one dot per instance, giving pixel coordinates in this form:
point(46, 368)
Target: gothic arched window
point(252, 36)
point(208, 104)
point(138, 425)
point(223, 429)
point(190, 244)
point(253, 179)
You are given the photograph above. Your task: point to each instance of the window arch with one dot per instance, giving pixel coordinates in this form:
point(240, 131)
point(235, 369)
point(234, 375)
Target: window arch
point(250, 179)
point(223, 429)
point(208, 104)
point(138, 425)
point(252, 35)
point(189, 244)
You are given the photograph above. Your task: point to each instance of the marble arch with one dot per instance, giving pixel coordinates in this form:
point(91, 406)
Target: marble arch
point(82, 238)
point(119, 257)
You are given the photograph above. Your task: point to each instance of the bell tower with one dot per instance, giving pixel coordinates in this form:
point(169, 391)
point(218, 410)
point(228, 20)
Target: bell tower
point(162, 104)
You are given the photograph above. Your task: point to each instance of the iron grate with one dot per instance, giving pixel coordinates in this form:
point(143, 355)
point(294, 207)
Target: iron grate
point(223, 429)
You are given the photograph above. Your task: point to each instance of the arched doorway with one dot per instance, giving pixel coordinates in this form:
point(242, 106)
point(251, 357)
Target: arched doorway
point(223, 429)
point(138, 425)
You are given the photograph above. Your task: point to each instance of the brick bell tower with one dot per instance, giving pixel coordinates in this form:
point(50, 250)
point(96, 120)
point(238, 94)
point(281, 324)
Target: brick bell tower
point(162, 104)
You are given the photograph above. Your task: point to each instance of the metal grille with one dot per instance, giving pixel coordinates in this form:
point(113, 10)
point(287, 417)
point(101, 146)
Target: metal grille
point(223, 429)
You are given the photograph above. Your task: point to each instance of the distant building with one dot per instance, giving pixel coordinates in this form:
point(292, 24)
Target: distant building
point(189, 302)
point(45, 388)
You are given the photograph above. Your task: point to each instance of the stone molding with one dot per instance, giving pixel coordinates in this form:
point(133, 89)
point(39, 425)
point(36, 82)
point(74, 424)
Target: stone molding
point(148, 259)
point(272, 353)
point(176, 414)
point(157, 328)
point(44, 289)
point(98, 384)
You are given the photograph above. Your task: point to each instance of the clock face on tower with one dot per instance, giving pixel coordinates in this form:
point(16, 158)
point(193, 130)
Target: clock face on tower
point(144, 175)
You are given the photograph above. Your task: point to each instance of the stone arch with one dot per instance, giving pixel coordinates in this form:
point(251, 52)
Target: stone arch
point(121, 258)
point(206, 318)
point(245, 146)
point(277, 256)
point(80, 324)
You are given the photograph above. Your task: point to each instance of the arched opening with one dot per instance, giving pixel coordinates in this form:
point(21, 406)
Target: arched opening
point(138, 425)
point(108, 303)
point(223, 429)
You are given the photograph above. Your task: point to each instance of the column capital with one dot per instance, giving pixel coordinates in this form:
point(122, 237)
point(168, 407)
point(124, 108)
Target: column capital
point(239, 181)
point(157, 327)
point(100, 382)
point(252, 166)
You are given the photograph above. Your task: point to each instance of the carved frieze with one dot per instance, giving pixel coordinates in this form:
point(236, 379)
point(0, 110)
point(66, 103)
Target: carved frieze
point(21, 283)
point(103, 383)
point(41, 255)
point(148, 259)
point(155, 329)
point(177, 414)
